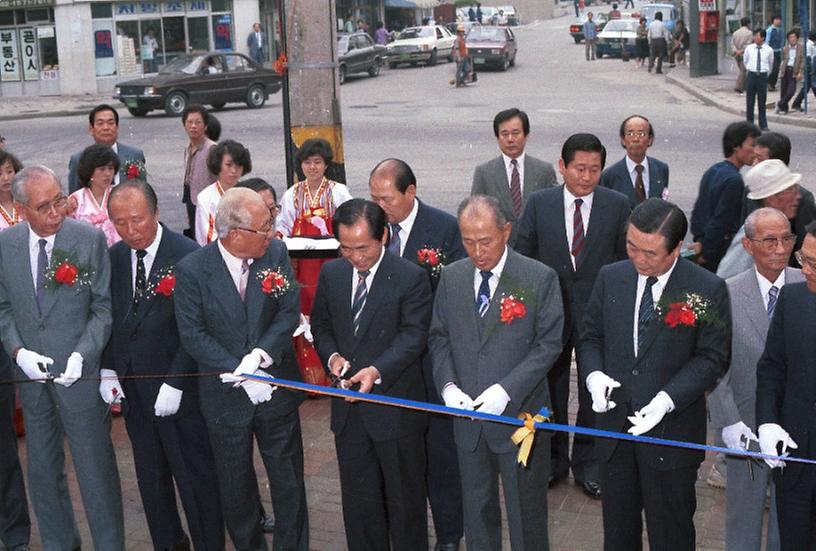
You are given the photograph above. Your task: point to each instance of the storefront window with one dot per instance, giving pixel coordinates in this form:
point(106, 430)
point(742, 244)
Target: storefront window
point(222, 31)
point(174, 40)
point(101, 11)
point(6, 18)
point(198, 34)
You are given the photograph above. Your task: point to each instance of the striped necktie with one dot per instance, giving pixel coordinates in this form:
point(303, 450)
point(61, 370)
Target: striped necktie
point(646, 311)
point(360, 295)
point(773, 295)
point(577, 232)
point(515, 187)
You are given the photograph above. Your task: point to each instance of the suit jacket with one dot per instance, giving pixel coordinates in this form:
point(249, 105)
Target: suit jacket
point(252, 44)
point(786, 388)
point(146, 342)
point(124, 152)
point(799, 60)
point(74, 318)
point(543, 236)
point(218, 330)
point(617, 177)
point(475, 353)
point(734, 399)
point(685, 362)
point(392, 334)
point(490, 178)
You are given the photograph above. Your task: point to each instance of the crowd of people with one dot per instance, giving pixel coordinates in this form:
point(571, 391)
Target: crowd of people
point(103, 304)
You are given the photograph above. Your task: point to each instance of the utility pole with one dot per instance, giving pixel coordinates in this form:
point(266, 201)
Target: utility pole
point(311, 101)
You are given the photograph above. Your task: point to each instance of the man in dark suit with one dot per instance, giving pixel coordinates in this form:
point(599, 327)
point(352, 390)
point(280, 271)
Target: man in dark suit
point(512, 176)
point(575, 230)
point(636, 175)
point(370, 321)
point(15, 525)
point(255, 43)
point(414, 226)
point(485, 361)
point(237, 307)
point(104, 129)
point(648, 377)
point(162, 417)
point(784, 401)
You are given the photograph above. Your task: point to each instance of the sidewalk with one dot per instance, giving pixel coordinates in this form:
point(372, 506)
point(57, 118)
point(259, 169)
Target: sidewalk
point(33, 107)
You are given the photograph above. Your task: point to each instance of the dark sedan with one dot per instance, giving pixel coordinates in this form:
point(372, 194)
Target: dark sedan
point(215, 78)
point(357, 53)
point(492, 46)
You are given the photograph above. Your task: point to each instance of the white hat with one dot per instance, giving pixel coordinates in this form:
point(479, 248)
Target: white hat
point(769, 178)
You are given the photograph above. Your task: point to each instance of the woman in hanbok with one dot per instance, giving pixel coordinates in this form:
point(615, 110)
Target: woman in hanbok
point(306, 210)
point(96, 170)
point(229, 160)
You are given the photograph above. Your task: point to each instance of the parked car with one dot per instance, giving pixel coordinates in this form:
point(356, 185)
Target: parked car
point(415, 44)
point(357, 53)
point(511, 16)
point(495, 46)
point(618, 35)
point(214, 78)
point(669, 14)
point(576, 30)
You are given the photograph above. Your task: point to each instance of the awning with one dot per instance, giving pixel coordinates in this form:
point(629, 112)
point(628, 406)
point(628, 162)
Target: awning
point(400, 4)
point(426, 3)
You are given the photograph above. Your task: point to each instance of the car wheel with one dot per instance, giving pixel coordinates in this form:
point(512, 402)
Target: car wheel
point(219, 105)
point(256, 96)
point(175, 104)
point(505, 63)
point(342, 74)
point(137, 111)
point(374, 70)
point(513, 61)
point(576, 39)
point(433, 59)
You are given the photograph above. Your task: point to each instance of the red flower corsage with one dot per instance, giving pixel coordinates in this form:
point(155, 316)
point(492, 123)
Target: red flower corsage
point(432, 260)
point(691, 311)
point(512, 308)
point(273, 283)
point(64, 270)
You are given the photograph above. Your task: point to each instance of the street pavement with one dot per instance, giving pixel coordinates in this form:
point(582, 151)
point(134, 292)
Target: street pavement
point(414, 113)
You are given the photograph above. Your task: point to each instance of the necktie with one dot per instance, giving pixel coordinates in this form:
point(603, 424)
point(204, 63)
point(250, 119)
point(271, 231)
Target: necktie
point(640, 189)
point(759, 58)
point(646, 311)
point(360, 295)
point(394, 244)
point(515, 187)
point(141, 278)
point(42, 266)
point(773, 294)
point(483, 298)
point(577, 231)
point(242, 282)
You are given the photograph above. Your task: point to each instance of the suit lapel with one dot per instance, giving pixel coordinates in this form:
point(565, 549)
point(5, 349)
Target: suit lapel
point(505, 287)
point(24, 267)
point(674, 290)
point(222, 287)
point(503, 185)
point(656, 183)
point(417, 239)
point(755, 306)
point(255, 297)
point(597, 224)
point(557, 216)
point(63, 241)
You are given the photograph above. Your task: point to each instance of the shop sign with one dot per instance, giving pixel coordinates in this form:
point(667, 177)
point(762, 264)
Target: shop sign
point(708, 5)
point(9, 66)
point(223, 32)
point(29, 59)
point(125, 9)
point(149, 7)
point(173, 7)
point(45, 32)
point(49, 75)
point(103, 44)
point(197, 5)
point(25, 3)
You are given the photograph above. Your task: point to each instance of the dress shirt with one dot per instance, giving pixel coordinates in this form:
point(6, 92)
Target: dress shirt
point(590, 31)
point(34, 251)
point(493, 282)
point(258, 38)
point(658, 29)
point(765, 285)
point(792, 56)
point(151, 250)
point(569, 215)
point(749, 59)
point(368, 280)
point(508, 168)
point(406, 225)
point(630, 166)
point(657, 292)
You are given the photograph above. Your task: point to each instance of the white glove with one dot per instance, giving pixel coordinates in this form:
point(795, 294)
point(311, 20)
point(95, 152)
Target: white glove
point(249, 364)
point(73, 370)
point(600, 386)
point(651, 414)
point(453, 397)
point(34, 365)
point(167, 401)
point(493, 400)
point(109, 387)
point(738, 436)
point(258, 392)
point(305, 328)
point(770, 435)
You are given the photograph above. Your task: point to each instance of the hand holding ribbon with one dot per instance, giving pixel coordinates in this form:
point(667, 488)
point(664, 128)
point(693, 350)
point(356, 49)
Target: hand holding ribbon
point(770, 436)
point(651, 414)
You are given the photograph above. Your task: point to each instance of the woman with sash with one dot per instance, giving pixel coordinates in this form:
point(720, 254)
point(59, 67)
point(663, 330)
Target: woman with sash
point(229, 160)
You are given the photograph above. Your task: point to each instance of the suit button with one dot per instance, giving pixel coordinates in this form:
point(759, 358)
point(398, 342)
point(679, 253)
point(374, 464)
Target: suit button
point(42, 327)
point(635, 372)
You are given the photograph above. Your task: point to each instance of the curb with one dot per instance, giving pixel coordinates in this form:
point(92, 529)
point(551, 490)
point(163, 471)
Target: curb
point(42, 114)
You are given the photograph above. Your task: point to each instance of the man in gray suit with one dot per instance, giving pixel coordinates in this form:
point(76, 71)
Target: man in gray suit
point(732, 404)
point(513, 176)
point(55, 318)
point(255, 43)
point(487, 361)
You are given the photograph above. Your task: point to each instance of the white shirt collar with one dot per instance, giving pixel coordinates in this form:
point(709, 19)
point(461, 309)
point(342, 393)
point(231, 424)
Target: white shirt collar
point(497, 269)
point(662, 280)
point(630, 165)
point(569, 201)
point(765, 285)
point(34, 241)
point(407, 225)
point(507, 161)
point(371, 271)
point(233, 263)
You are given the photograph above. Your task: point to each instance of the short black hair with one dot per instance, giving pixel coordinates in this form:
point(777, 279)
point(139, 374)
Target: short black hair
point(504, 116)
point(98, 109)
point(213, 127)
point(314, 146)
point(196, 108)
point(775, 17)
point(793, 31)
point(142, 187)
point(239, 153)
point(811, 36)
point(622, 130)
point(7, 157)
point(93, 157)
point(736, 133)
point(659, 16)
point(761, 32)
point(258, 185)
point(745, 21)
point(354, 210)
point(582, 142)
point(778, 144)
point(400, 170)
point(658, 216)
point(810, 229)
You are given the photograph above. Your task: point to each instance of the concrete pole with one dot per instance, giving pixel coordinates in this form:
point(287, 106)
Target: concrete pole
point(313, 85)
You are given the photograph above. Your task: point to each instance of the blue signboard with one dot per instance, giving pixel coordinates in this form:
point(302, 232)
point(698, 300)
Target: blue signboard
point(223, 32)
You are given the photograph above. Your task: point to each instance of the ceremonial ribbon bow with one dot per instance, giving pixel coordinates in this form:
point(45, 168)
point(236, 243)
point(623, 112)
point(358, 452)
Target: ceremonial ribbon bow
point(524, 436)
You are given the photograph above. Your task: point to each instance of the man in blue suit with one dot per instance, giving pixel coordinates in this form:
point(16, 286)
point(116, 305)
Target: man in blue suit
point(636, 175)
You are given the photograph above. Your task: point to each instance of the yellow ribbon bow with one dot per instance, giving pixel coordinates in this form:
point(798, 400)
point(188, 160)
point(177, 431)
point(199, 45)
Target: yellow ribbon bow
point(525, 436)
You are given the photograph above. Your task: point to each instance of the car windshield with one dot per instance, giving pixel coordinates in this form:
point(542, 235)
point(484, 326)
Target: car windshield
point(183, 64)
point(416, 32)
point(486, 34)
point(619, 26)
point(342, 44)
point(649, 12)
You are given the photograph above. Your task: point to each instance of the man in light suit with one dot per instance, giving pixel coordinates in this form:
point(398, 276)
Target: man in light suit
point(370, 324)
point(500, 367)
point(255, 43)
point(647, 377)
point(171, 447)
point(50, 327)
point(636, 175)
point(754, 294)
point(234, 320)
point(104, 129)
point(575, 229)
point(413, 226)
point(512, 176)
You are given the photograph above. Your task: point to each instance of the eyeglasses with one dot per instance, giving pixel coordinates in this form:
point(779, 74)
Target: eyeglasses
point(266, 229)
point(638, 133)
point(57, 205)
point(805, 261)
point(770, 243)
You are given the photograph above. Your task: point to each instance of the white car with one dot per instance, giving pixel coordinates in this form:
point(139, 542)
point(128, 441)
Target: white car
point(618, 35)
point(414, 44)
